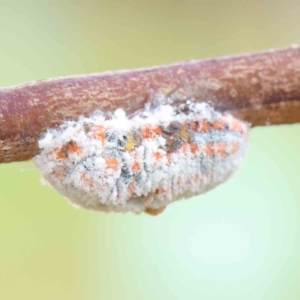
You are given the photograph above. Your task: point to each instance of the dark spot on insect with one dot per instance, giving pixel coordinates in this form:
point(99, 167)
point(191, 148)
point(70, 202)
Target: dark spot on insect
point(125, 174)
point(171, 130)
point(174, 126)
point(86, 127)
point(172, 144)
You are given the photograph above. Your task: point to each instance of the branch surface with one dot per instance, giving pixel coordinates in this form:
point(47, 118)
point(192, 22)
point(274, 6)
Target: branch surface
point(262, 88)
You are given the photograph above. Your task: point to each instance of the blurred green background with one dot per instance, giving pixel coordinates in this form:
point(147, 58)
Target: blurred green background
point(240, 241)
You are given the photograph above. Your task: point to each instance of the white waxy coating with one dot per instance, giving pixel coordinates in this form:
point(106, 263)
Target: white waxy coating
point(142, 162)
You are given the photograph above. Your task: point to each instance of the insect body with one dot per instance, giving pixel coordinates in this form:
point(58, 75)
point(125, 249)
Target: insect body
point(143, 162)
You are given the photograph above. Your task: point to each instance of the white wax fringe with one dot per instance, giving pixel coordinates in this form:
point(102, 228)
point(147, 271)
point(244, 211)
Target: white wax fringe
point(118, 164)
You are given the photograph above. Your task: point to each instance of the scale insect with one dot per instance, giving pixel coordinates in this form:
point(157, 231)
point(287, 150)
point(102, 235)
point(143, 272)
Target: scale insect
point(142, 162)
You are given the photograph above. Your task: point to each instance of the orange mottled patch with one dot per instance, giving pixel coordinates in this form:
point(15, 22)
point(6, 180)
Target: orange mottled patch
point(72, 147)
point(159, 191)
point(54, 150)
point(60, 173)
point(208, 149)
point(204, 126)
point(234, 147)
point(67, 149)
point(168, 155)
point(131, 189)
point(157, 155)
point(135, 166)
point(111, 163)
point(236, 126)
point(87, 179)
point(150, 131)
point(219, 124)
point(220, 149)
point(60, 153)
point(194, 147)
point(184, 147)
point(98, 132)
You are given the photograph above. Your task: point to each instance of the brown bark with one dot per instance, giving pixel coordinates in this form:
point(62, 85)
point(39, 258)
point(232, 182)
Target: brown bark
point(262, 88)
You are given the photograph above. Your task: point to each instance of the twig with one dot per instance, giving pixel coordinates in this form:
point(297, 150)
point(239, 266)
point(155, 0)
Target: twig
point(262, 88)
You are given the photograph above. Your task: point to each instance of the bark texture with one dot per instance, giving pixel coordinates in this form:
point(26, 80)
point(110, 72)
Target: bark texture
point(262, 88)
